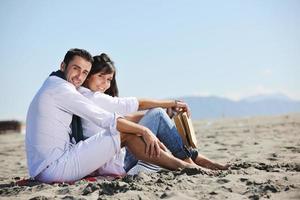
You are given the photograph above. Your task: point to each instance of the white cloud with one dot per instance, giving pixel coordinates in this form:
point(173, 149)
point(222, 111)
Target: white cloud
point(267, 72)
point(252, 91)
point(201, 94)
point(262, 90)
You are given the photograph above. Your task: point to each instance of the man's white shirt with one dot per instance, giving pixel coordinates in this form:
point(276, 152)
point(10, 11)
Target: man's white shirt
point(48, 122)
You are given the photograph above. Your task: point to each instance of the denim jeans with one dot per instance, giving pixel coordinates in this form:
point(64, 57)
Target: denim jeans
point(162, 126)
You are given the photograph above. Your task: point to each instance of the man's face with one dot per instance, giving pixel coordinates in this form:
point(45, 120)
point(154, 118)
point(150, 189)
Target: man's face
point(76, 71)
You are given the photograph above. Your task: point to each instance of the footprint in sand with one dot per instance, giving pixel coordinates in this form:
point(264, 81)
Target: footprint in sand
point(293, 149)
point(291, 167)
point(227, 188)
point(237, 166)
point(243, 179)
point(262, 189)
point(222, 181)
point(273, 157)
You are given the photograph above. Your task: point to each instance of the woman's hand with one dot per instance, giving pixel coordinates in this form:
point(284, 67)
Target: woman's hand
point(153, 145)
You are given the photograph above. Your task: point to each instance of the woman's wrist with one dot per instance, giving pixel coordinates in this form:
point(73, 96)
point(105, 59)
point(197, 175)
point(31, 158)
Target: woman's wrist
point(144, 131)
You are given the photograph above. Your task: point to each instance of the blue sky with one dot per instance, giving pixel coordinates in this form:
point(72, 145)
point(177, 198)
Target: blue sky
point(161, 48)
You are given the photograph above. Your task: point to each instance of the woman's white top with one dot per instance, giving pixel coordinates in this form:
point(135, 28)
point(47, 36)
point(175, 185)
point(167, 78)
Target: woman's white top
point(119, 105)
point(48, 122)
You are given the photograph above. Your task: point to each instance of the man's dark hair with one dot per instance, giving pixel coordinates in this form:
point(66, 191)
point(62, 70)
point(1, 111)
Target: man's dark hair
point(77, 52)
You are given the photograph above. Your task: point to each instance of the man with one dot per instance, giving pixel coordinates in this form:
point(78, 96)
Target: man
point(51, 155)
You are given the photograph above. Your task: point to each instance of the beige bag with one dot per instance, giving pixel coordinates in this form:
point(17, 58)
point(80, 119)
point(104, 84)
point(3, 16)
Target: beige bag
point(185, 128)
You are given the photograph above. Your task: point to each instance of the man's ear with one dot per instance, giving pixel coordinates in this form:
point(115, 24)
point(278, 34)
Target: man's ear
point(63, 66)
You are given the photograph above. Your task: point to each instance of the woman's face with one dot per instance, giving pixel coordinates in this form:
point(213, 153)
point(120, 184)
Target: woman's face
point(99, 82)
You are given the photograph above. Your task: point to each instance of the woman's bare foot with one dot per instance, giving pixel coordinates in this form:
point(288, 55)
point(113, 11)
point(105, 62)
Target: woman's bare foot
point(217, 166)
point(205, 162)
point(188, 160)
point(225, 167)
point(192, 165)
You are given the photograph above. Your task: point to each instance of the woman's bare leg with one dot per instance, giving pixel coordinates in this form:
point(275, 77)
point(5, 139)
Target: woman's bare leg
point(205, 162)
point(137, 147)
point(189, 160)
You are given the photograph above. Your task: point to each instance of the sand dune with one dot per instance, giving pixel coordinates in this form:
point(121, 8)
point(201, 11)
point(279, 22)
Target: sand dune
point(265, 152)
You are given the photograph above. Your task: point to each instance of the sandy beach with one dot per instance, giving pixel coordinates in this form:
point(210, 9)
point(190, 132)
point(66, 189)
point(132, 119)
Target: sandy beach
point(265, 152)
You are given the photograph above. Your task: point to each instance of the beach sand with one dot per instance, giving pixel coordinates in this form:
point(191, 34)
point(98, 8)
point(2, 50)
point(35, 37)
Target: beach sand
point(265, 152)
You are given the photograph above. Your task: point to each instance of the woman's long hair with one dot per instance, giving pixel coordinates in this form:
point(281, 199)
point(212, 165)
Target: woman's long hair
point(102, 63)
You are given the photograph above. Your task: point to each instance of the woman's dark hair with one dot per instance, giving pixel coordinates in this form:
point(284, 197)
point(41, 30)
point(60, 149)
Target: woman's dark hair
point(102, 63)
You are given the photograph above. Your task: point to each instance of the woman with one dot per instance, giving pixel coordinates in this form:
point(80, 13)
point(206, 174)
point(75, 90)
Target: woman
point(101, 88)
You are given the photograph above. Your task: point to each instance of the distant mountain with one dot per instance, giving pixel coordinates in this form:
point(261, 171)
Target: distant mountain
point(277, 96)
point(213, 107)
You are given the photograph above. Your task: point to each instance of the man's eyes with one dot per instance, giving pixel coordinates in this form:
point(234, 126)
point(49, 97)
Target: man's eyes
point(78, 68)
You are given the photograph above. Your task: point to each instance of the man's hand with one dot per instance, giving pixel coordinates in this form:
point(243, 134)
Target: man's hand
point(182, 106)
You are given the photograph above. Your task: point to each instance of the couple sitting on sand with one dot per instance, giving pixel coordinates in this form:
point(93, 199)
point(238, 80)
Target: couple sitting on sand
point(77, 125)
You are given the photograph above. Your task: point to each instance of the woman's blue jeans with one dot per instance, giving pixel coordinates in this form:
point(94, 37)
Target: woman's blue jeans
point(162, 126)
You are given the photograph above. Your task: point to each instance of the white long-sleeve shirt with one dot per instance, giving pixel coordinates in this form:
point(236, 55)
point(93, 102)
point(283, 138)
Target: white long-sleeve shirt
point(120, 105)
point(48, 122)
